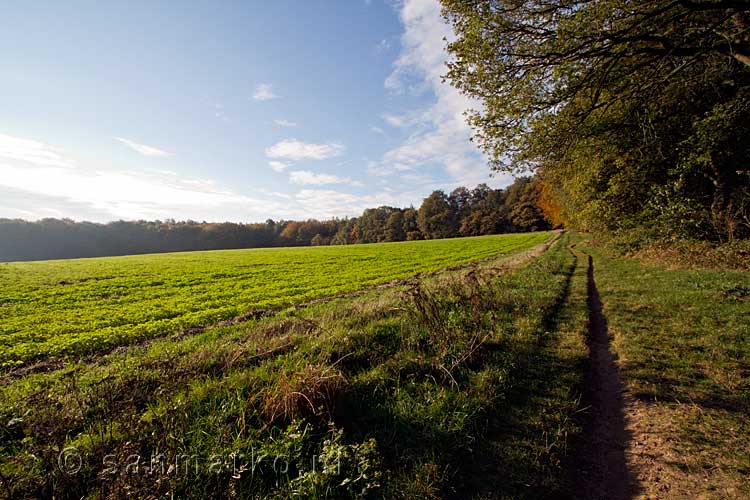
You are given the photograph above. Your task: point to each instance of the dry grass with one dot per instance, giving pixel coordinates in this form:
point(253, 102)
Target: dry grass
point(666, 461)
point(310, 392)
point(697, 255)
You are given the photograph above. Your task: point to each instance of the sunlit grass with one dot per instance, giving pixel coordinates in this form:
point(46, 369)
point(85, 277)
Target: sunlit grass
point(81, 306)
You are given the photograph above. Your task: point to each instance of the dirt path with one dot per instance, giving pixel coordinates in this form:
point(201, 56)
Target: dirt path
point(601, 470)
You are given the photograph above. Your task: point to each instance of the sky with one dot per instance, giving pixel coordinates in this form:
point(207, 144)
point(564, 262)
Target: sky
point(227, 111)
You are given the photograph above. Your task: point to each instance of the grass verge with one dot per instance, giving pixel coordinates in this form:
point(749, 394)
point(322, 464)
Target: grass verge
point(460, 385)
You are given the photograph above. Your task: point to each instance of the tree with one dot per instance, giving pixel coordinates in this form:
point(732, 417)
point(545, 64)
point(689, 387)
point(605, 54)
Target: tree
point(460, 201)
point(629, 111)
point(525, 59)
point(525, 212)
point(436, 217)
point(394, 226)
point(372, 224)
point(549, 205)
point(411, 226)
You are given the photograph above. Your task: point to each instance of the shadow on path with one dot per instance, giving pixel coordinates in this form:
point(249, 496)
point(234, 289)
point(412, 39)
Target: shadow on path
point(600, 469)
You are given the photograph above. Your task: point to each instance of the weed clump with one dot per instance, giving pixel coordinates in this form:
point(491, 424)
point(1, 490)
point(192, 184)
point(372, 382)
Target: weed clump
point(342, 470)
point(453, 321)
point(310, 392)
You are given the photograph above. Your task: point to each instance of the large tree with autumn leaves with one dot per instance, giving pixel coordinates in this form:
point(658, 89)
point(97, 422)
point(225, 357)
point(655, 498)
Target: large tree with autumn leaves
point(633, 113)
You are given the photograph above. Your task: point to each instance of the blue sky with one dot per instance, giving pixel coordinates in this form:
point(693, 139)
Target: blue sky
point(238, 111)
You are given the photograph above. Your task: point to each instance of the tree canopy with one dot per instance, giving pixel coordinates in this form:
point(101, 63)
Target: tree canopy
point(633, 113)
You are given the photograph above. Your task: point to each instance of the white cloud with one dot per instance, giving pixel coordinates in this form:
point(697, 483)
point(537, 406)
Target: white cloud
point(421, 62)
point(383, 45)
point(413, 118)
point(144, 149)
point(35, 184)
point(383, 169)
point(292, 149)
point(134, 194)
point(377, 130)
point(219, 112)
point(329, 202)
point(333, 203)
point(305, 177)
point(439, 134)
point(394, 120)
point(278, 166)
point(31, 151)
point(284, 123)
point(264, 92)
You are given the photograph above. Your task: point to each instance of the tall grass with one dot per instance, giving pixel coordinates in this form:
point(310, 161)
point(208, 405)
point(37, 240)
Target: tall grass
point(448, 386)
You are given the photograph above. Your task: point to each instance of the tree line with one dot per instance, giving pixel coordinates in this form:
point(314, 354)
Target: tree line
point(462, 212)
point(634, 115)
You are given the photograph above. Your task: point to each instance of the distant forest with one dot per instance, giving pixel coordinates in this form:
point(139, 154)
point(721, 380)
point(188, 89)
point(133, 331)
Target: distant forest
point(463, 212)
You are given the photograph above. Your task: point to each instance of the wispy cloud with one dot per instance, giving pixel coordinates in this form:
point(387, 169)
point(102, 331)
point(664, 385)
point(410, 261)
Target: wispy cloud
point(284, 123)
point(306, 177)
point(35, 183)
point(416, 117)
point(219, 112)
point(383, 169)
point(438, 134)
point(292, 149)
point(377, 130)
point(278, 166)
point(144, 149)
point(264, 92)
point(133, 194)
point(333, 203)
point(383, 45)
point(394, 120)
point(31, 151)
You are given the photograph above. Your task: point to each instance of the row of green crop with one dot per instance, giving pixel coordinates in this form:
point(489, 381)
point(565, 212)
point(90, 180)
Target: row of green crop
point(83, 306)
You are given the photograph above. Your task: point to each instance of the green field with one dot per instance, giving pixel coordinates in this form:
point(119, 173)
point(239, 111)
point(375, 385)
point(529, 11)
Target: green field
point(474, 382)
point(408, 391)
point(81, 306)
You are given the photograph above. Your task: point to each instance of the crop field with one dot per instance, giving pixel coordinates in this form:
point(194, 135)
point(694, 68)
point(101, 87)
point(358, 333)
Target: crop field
point(401, 392)
point(81, 306)
point(490, 380)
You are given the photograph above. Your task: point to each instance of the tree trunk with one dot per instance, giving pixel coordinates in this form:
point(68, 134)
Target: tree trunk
point(721, 206)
